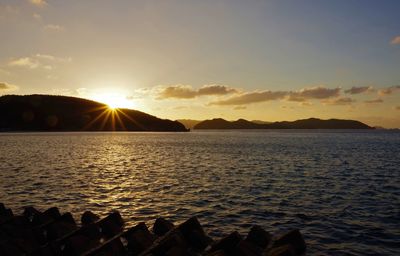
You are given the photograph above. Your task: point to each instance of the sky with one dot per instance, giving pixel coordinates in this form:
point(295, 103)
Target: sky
point(180, 59)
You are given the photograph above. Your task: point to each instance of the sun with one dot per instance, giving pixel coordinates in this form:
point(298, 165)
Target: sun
point(114, 100)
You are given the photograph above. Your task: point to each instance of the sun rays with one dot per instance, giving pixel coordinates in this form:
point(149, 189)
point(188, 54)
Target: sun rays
point(111, 119)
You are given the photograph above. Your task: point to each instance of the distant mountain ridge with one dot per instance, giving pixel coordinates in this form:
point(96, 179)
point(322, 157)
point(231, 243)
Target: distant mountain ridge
point(311, 123)
point(63, 113)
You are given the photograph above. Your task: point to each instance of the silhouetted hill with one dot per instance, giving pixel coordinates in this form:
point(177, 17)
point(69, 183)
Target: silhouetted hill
point(62, 113)
point(311, 123)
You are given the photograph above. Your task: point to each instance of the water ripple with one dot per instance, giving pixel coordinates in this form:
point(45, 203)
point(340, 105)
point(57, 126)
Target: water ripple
point(342, 189)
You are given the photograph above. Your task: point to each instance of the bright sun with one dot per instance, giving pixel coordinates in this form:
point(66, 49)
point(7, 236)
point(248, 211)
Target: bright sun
point(114, 100)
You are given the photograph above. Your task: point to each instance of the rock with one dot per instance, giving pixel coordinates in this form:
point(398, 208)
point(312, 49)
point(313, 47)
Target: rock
point(53, 213)
point(170, 240)
point(259, 237)
point(162, 226)
point(112, 224)
point(32, 215)
point(38, 218)
point(30, 211)
point(77, 245)
point(112, 247)
point(43, 251)
point(194, 234)
point(6, 215)
point(177, 251)
point(67, 218)
point(217, 253)
point(139, 238)
point(9, 249)
point(92, 231)
point(48, 233)
point(284, 250)
point(61, 227)
point(293, 238)
point(246, 248)
point(228, 243)
point(89, 217)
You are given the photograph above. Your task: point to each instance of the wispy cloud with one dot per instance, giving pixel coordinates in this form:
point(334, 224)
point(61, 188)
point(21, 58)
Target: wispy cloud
point(24, 62)
point(38, 2)
point(4, 72)
point(37, 16)
point(339, 101)
point(379, 100)
point(43, 61)
point(389, 90)
point(358, 90)
point(215, 89)
point(302, 95)
point(53, 27)
point(8, 10)
point(187, 91)
point(251, 97)
point(5, 87)
point(53, 58)
point(395, 40)
point(318, 92)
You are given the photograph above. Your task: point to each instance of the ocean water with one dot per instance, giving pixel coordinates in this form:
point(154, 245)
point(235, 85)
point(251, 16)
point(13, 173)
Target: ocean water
point(341, 188)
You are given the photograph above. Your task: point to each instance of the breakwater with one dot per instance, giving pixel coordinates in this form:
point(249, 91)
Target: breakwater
point(51, 232)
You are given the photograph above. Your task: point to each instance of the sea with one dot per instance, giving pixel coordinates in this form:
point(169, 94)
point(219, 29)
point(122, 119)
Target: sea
point(341, 188)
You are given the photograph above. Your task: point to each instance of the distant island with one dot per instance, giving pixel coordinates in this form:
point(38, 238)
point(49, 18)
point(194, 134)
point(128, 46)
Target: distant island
point(311, 123)
point(190, 123)
point(62, 113)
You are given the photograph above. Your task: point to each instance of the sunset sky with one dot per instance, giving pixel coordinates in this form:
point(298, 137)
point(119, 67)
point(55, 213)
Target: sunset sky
point(265, 60)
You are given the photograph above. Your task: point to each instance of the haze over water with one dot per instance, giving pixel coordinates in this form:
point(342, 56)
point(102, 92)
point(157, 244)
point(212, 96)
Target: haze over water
point(341, 188)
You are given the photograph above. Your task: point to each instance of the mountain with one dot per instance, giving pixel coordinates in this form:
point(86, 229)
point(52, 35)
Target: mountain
point(188, 123)
point(62, 113)
point(311, 123)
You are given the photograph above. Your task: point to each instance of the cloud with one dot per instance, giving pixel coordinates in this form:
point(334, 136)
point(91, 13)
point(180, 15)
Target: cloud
point(306, 104)
point(251, 97)
point(8, 10)
point(5, 72)
point(53, 58)
point(389, 90)
point(373, 101)
point(240, 108)
point(79, 92)
point(395, 40)
point(24, 62)
point(215, 89)
point(37, 16)
point(397, 107)
point(187, 92)
point(358, 90)
point(5, 87)
point(38, 2)
point(177, 91)
point(302, 95)
point(318, 92)
point(53, 27)
point(339, 101)
point(43, 61)
point(180, 107)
